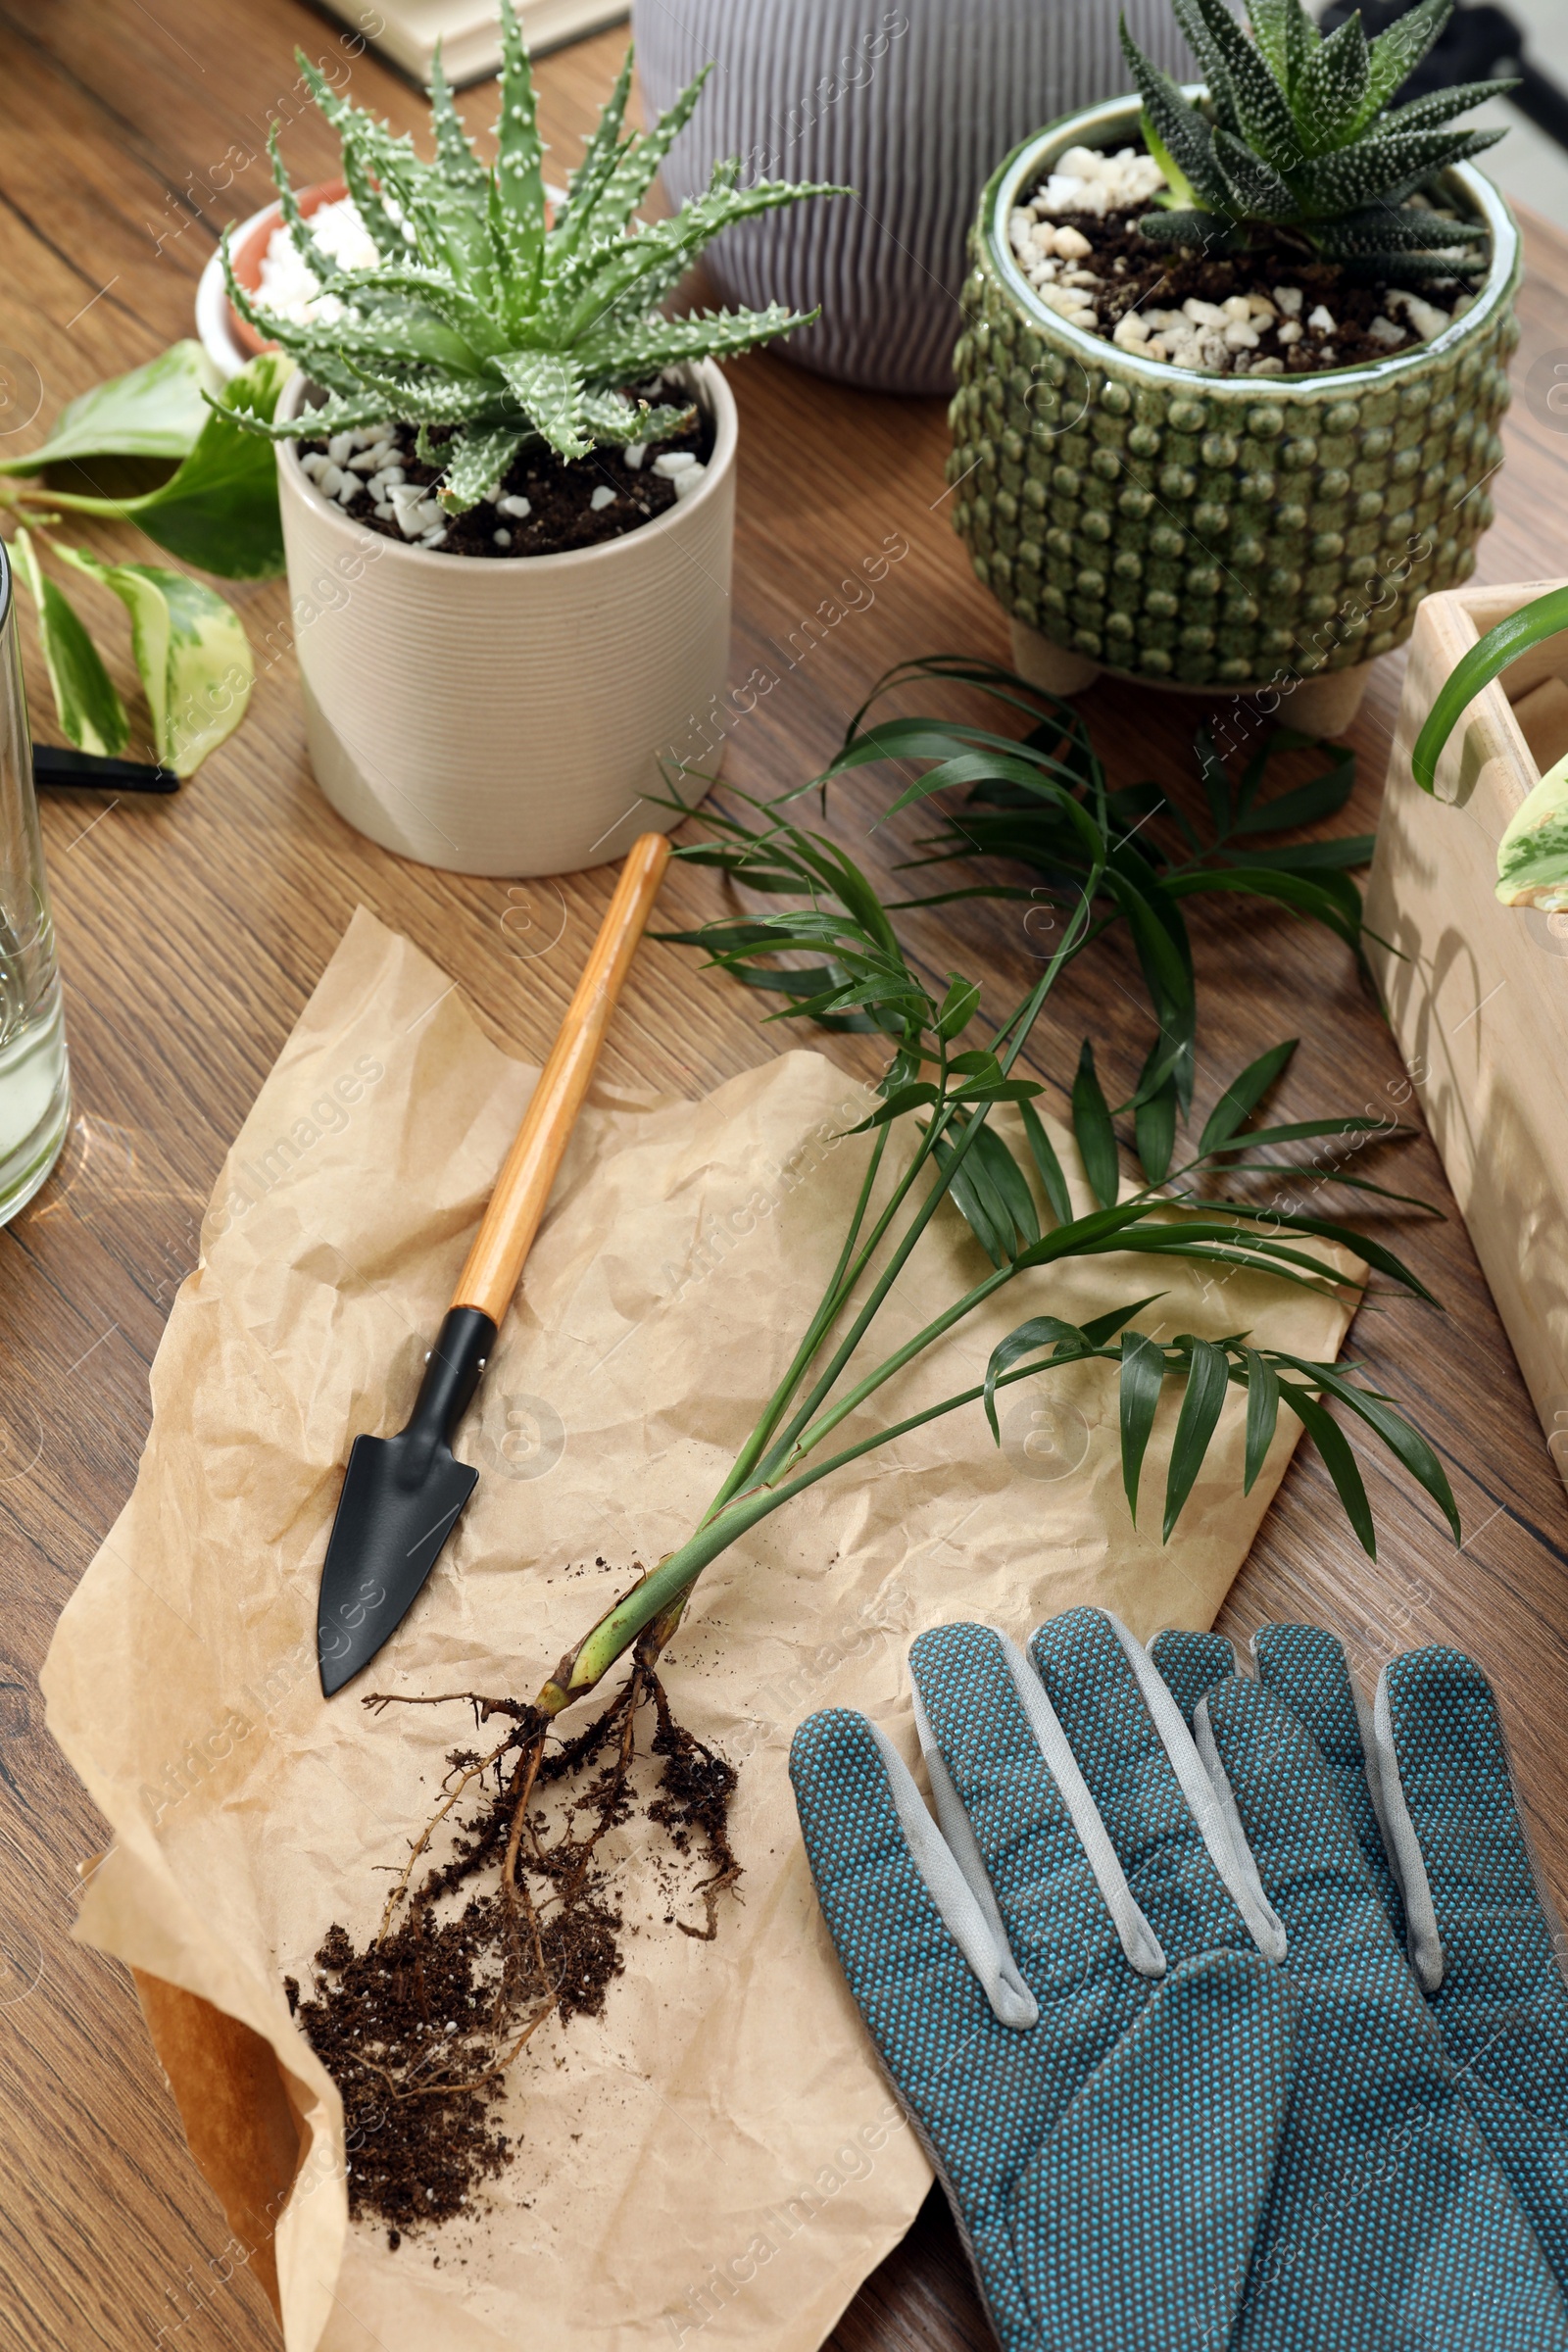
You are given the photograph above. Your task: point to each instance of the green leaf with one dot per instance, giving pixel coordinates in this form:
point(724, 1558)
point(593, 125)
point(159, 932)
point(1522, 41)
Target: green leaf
point(1207, 1379)
point(1396, 53)
point(1179, 127)
point(1533, 853)
point(154, 412)
point(1143, 1377)
point(191, 650)
point(1542, 617)
point(1339, 914)
point(1094, 1133)
point(89, 711)
point(517, 187)
point(1386, 229)
point(1326, 1228)
point(459, 166)
point(1340, 1461)
point(477, 457)
point(1256, 191)
point(639, 159)
point(1065, 1340)
point(1332, 184)
point(1044, 1154)
point(1302, 1131)
point(1244, 1093)
point(1327, 100)
point(1406, 1445)
point(1193, 232)
point(903, 1098)
point(976, 1200)
point(1267, 19)
point(1008, 1182)
point(1154, 1131)
point(1301, 39)
point(1262, 1413)
point(1441, 106)
point(1262, 111)
point(1324, 795)
point(219, 509)
point(958, 1007)
point(1182, 194)
point(548, 391)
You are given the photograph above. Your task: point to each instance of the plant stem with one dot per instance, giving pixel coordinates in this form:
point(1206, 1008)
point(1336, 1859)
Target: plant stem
point(664, 1590)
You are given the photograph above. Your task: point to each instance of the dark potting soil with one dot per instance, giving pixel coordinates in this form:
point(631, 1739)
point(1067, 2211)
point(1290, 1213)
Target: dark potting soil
point(419, 2026)
point(563, 514)
point(1138, 275)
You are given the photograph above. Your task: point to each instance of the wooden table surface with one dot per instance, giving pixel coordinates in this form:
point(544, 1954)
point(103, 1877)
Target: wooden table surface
point(192, 930)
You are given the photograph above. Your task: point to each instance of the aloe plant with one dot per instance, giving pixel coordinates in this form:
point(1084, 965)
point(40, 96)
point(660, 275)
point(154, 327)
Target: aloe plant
point(1299, 146)
point(1533, 853)
point(489, 318)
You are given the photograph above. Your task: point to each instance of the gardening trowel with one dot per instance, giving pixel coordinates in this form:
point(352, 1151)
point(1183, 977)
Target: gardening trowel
point(402, 1496)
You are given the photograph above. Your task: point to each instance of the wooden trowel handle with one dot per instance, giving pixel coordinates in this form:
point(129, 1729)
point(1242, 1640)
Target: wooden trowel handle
point(517, 1203)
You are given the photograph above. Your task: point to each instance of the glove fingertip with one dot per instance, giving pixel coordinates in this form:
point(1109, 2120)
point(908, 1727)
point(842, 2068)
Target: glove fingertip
point(1191, 1664)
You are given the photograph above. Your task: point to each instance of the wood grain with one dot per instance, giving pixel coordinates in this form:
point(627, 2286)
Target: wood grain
point(507, 1230)
point(192, 930)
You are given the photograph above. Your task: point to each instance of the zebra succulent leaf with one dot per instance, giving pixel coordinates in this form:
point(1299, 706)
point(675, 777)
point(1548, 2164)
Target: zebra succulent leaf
point(488, 321)
point(1295, 146)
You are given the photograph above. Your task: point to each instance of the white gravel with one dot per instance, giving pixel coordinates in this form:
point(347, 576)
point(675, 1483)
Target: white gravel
point(289, 288)
point(1219, 338)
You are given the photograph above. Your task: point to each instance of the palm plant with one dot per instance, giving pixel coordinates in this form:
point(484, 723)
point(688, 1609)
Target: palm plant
point(1299, 147)
point(933, 1149)
point(489, 321)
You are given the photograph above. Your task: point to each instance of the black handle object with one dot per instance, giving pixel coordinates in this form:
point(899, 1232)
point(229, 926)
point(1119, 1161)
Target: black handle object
point(451, 1376)
point(54, 765)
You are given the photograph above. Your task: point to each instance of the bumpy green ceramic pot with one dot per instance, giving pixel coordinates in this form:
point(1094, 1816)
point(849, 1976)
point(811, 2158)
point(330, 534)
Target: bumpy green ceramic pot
point(1209, 532)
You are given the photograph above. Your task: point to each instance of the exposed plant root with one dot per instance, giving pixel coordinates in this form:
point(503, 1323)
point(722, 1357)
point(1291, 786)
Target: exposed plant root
point(519, 1923)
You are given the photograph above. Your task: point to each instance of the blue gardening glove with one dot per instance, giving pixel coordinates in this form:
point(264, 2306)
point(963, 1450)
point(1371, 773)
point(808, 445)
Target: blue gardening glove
point(1178, 2081)
point(1423, 1780)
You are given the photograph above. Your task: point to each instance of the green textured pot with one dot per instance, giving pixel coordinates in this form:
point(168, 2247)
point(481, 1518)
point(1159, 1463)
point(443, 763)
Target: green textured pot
point(1240, 535)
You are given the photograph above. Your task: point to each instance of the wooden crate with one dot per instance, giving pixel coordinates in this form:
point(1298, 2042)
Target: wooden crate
point(1477, 992)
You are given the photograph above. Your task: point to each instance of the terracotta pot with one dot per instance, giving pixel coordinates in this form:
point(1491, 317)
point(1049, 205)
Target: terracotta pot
point(250, 247)
point(508, 717)
point(1234, 534)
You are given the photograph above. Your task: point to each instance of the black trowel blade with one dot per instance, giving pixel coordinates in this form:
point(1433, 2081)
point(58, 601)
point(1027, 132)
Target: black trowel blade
point(400, 1502)
point(386, 1539)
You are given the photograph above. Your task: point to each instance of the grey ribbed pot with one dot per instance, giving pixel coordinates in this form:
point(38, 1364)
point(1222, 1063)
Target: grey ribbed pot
point(909, 105)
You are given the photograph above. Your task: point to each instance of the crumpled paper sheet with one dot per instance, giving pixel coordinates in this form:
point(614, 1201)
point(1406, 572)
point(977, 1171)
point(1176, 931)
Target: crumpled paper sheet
point(718, 2158)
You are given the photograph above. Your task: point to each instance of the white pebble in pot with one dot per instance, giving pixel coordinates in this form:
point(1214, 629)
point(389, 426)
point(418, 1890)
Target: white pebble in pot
point(674, 461)
point(602, 497)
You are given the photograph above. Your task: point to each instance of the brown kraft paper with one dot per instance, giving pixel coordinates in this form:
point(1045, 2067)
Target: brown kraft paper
point(715, 2160)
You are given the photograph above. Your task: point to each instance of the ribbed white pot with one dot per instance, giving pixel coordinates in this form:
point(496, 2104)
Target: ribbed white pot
point(508, 717)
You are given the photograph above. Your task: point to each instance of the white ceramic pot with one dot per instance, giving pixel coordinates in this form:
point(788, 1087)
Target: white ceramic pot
point(508, 717)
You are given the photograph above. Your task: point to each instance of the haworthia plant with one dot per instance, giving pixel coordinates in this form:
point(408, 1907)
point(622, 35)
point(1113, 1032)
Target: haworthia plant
point(1532, 854)
point(487, 315)
point(1298, 146)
